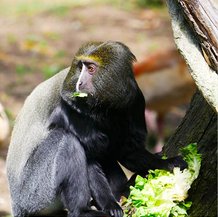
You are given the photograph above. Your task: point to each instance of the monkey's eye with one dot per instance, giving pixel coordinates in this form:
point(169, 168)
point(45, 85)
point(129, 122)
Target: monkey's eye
point(91, 68)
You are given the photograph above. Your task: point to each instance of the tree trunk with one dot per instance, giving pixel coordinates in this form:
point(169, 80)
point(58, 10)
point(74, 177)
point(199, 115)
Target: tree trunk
point(194, 26)
point(200, 126)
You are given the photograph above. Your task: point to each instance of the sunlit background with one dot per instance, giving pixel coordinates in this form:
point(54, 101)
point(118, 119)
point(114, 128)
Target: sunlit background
point(38, 38)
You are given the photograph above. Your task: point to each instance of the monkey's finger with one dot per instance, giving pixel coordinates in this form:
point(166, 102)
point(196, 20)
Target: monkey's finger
point(119, 213)
point(112, 213)
point(116, 213)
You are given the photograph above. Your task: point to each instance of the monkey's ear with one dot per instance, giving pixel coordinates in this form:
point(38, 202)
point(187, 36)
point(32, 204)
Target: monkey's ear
point(127, 52)
point(133, 58)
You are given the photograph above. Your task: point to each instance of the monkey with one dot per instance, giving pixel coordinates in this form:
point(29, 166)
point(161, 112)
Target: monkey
point(69, 148)
point(26, 198)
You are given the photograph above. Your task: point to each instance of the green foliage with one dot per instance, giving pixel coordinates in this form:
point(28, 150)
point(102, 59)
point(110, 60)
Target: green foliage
point(63, 7)
point(79, 94)
point(60, 10)
point(49, 71)
point(50, 35)
point(21, 69)
point(150, 3)
point(10, 116)
point(163, 194)
point(60, 53)
point(35, 43)
point(11, 38)
point(32, 7)
point(58, 7)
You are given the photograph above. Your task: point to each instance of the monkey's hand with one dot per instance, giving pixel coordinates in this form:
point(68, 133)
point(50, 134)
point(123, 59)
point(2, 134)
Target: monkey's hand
point(176, 162)
point(113, 209)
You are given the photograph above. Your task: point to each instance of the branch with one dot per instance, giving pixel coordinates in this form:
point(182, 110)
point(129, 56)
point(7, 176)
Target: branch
point(202, 16)
point(189, 38)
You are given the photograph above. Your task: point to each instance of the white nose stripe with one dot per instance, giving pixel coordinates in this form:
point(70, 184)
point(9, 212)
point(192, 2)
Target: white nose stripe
point(80, 77)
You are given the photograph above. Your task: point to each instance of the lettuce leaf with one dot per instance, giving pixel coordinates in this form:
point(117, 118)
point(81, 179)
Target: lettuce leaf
point(161, 193)
point(79, 94)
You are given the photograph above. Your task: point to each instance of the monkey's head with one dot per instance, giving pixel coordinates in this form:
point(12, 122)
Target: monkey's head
point(103, 70)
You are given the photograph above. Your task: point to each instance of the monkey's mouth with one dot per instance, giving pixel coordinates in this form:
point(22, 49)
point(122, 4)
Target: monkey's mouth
point(79, 94)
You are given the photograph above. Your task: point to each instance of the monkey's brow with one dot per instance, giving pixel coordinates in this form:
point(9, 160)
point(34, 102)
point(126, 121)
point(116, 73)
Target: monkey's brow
point(90, 58)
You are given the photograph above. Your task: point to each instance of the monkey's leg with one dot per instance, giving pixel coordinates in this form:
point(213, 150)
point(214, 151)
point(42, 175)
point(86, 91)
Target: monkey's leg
point(101, 191)
point(116, 177)
point(72, 178)
point(37, 189)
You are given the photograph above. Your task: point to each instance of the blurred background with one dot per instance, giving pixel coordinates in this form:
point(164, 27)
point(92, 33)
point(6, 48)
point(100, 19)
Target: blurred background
point(38, 38)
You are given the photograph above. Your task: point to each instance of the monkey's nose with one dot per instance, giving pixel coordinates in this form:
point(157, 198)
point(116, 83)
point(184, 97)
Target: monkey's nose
point(79, 85)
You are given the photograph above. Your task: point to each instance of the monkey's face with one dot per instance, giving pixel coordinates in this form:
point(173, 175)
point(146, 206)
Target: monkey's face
point(87, 69)
point(104, 72)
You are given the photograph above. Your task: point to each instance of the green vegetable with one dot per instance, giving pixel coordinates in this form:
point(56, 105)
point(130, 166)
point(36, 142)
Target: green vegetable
point(79, 94)
point(162, 193)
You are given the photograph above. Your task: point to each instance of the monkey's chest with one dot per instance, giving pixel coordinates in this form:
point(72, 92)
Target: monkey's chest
point(101, 137)
point(117, 135)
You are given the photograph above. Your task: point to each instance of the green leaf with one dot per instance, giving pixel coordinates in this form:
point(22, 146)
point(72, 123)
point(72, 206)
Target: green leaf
point(79, 94)
point(161, 193)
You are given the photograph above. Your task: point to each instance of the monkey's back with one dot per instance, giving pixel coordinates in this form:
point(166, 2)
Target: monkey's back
point(31, 128)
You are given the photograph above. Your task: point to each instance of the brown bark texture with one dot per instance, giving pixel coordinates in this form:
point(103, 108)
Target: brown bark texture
point(200, 126)
point(203, 18)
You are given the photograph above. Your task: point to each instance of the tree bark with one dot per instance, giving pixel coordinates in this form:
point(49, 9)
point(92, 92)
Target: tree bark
point(199, 125)
point(189, 45)
point(196, 35)
point(202, 16)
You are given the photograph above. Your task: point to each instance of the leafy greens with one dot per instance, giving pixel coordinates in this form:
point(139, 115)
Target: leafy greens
point(79, 94)
point(163, 194)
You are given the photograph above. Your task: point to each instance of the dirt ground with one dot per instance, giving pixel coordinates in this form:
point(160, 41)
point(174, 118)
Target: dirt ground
point(35, 46)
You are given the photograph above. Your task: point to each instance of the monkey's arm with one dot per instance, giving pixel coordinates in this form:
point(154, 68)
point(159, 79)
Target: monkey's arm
point(141, 160)
point(134, 155)
point(101, 191)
